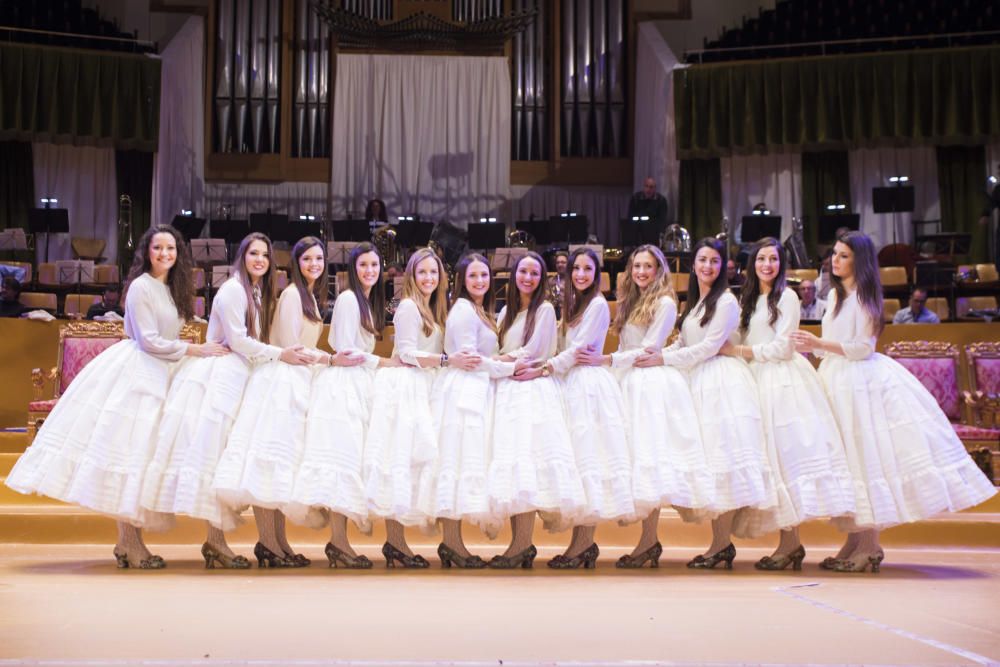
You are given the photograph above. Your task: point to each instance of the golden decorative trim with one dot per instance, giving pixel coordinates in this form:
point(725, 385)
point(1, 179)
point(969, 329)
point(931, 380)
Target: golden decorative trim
point(983, 349)
point(191, 333)
point(922, 349)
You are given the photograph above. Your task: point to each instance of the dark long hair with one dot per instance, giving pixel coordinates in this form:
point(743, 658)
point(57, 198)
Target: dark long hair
point(514, 299)
point(373, 306)
point(312, 311)
point(719, 287)
point(751, 288)
point(460, 291)
point(180, 278)
point(268, 287)
point(866, 278)
point(574, 302)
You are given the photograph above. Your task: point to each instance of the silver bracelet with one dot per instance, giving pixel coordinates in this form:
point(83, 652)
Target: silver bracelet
point(444, 360)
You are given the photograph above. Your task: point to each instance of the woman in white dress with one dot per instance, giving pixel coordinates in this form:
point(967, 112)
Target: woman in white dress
point(462, 408)
point(204, 397)
point(532, 467)
point(261, 458)
point(669, 466)
point(725, 399)
point(328, 483)
point(595, 413)
point(93, 449)
point(906, 461)
point(803, 441)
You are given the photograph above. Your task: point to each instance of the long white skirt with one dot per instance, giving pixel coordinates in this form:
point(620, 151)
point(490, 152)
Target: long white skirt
point(599, 433)
point(401, 447)
point(328, 478)
point(94, 447)
point(198, 416)
point(533, 466)
point(669, 464)
point(262, 456)
point(906, 461)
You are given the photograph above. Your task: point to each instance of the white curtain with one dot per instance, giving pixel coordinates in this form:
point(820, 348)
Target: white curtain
point(178, 167)
point(82, 178)
point(655, 139)
point(427, 134)
point(292, 198)
point(872, 167)
point(774, 179)
point(603, 206)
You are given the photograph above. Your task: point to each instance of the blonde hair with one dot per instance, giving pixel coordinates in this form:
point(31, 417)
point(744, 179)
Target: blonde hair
point(434, 309)
point(639, 306)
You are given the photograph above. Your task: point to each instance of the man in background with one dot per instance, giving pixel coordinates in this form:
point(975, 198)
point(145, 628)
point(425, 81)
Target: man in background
point(650, 203)
point(110, 302)
point(916, 313)
point(812, 308)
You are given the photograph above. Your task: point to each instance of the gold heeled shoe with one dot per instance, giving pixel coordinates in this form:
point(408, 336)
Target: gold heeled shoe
point(874, 561)
point(338, 557)
point(652, 554)
point(152, 563)
point(213, 556)
point(725, 556)
point(793, 558)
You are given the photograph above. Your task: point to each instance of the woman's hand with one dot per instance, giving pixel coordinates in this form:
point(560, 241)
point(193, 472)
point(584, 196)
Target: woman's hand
point(296, 355)
point(804, 341)
point(207, 350)
point(729, 350)
point(649, 358)
point(526, 374)
point(347, 358)
point(589, 356)
point(466, 361)
point(391, 362)
point(522, 366)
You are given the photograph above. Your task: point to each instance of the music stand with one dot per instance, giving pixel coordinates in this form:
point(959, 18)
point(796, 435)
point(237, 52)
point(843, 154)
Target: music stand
point(351, 230)
point(414, 233)
point(48, 221)
point(755, 227)
point(339, 252)
point(231, 231)
point(487, 235)
point(208, 251)
point(268, 223)
point(829, 224)
point(189, 226)
point(576, 229)
point(636, 233)
point(539, 230)
point(504, 259)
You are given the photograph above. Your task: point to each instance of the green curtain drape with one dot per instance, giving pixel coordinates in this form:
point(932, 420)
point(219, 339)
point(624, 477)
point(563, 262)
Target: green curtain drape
point(700, 198)
point(17, 184)
point(943, 96)
point(81, 97)
point(962, 185)
point(134, 175)
point(825, 180)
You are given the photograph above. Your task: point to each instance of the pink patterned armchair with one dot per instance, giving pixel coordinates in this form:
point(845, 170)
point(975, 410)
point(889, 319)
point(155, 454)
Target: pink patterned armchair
point(984, 378)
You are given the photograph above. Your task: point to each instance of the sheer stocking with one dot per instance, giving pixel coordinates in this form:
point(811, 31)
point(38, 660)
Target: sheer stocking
point(522, 526)
point(722, 532)
point(396, 536)
point(788, 543)
point(338, 534)
point(868, 545)
point(130, 541)
point(849, 545)
point(217, 539)
point(280, 533)
point(583, 537)
point(648, 537)
point(452, 537)
point(267, 529)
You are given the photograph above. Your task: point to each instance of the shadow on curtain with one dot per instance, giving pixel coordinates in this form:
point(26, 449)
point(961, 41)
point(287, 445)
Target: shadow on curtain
point(826, 179)
point(962, 182)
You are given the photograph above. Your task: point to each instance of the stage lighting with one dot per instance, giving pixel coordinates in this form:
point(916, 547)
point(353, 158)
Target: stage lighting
point(992, 180)
point(307, 216)
point(760, 211)
point(485, 220)
point(568, 214)
point(187, 212)
point(48, 202)
point(836, 207)
point(899, 179)
point(640, 218)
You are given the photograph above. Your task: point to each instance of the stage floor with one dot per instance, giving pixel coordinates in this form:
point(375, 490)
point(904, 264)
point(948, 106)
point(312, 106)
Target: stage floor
point(67, 604)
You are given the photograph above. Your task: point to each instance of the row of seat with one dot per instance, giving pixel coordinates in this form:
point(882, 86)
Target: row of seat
point(940, 306)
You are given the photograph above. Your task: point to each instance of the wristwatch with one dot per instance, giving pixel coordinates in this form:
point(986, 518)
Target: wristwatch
point(546, 371)
point(444, 360)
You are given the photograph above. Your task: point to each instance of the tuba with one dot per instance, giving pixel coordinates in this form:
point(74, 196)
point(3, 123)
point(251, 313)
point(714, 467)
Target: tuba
point(126, 244)
point(385, 240)
point(676, 239)
point(795, 246)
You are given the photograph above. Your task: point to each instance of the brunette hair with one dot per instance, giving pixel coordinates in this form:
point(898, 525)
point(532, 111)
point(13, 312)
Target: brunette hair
point(866, 278)
point(751, 288)
point(514, 299)
point(574, 302)
point(263, 312)
point(433, 310)
point(460, 291)
point(311, 308)
point(373, 306)
point(639, 306)
point(719, 287)
point(180, 278)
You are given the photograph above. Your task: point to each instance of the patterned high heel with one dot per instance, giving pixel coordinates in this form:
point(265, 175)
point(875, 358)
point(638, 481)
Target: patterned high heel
point(830, 563)
point(297, 560)
point(267, 558)
point(337, 557)
point(794, 559)
point(587, 558)
point(213, 556)
point(874, 561)
point(151, 563)
point(709, 562)
point(392, 554)
point(652, 554)
point(451, 557)
point(524, 559)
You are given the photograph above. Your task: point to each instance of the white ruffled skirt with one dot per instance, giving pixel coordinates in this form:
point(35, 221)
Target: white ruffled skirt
point(198, 415)
point(94, 447)
point(401, 448)
point(906, 461)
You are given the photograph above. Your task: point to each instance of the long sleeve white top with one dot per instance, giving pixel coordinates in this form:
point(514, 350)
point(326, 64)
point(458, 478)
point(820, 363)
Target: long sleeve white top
point(346, 333)
point(465, 331)
point(852, 328)
point(590, 331)
point(411, 344)
point(227, 324)
point(773, 343)
point(544, 338)
point(290, 326)
point(700, 343)
point(636, 338)
point(151, 319)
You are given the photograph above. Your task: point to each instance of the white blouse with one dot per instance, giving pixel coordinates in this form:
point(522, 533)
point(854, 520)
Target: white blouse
point(700, 343)
point(635, 339)
point(465, 331)
point(773, 343)
point(411, 344)
point(542, 343)
point(590, 331)
point(227, 324)
point(290, 326)
point(852, 328)
point(151, 319)
point(347, 334)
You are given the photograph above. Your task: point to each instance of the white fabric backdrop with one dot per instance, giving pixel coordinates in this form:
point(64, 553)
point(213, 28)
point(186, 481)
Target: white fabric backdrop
point(427, 134)
point(603, 206)
point(82, 178)
point(292, 198)
point(775, 179)
point(178, 167)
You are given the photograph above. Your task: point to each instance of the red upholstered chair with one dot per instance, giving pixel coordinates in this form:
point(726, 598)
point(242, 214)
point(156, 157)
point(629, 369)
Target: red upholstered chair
point(984, 379)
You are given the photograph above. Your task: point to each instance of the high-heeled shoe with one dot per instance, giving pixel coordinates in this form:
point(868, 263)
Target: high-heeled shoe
point(267, 558)
point(793, 558)
point(392, 554)
point(151, 563)
point(875, 561)
point(296, 560)
point(338, 557)
point(523, 559)
point(709, 562)
point(587, 558)
point(652, 554)
point(451, 557)
point(213, 556)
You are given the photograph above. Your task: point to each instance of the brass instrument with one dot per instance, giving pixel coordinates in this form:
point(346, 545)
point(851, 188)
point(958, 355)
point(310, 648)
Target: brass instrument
point(795, 246)
point(126, 244)
point(676, 239)
point(520, 239)
point(384, 239)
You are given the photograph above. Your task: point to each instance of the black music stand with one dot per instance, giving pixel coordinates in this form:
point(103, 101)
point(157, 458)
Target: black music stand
point(569, 229)
point(48, 221)
point(755, 227)
point(351, 230)
point(539, 230)
point(269, 224)
point(487, 235)
point(189, 226)
point(635, 233)
point(829, 224)
point(413, 233)
point(299, 229)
